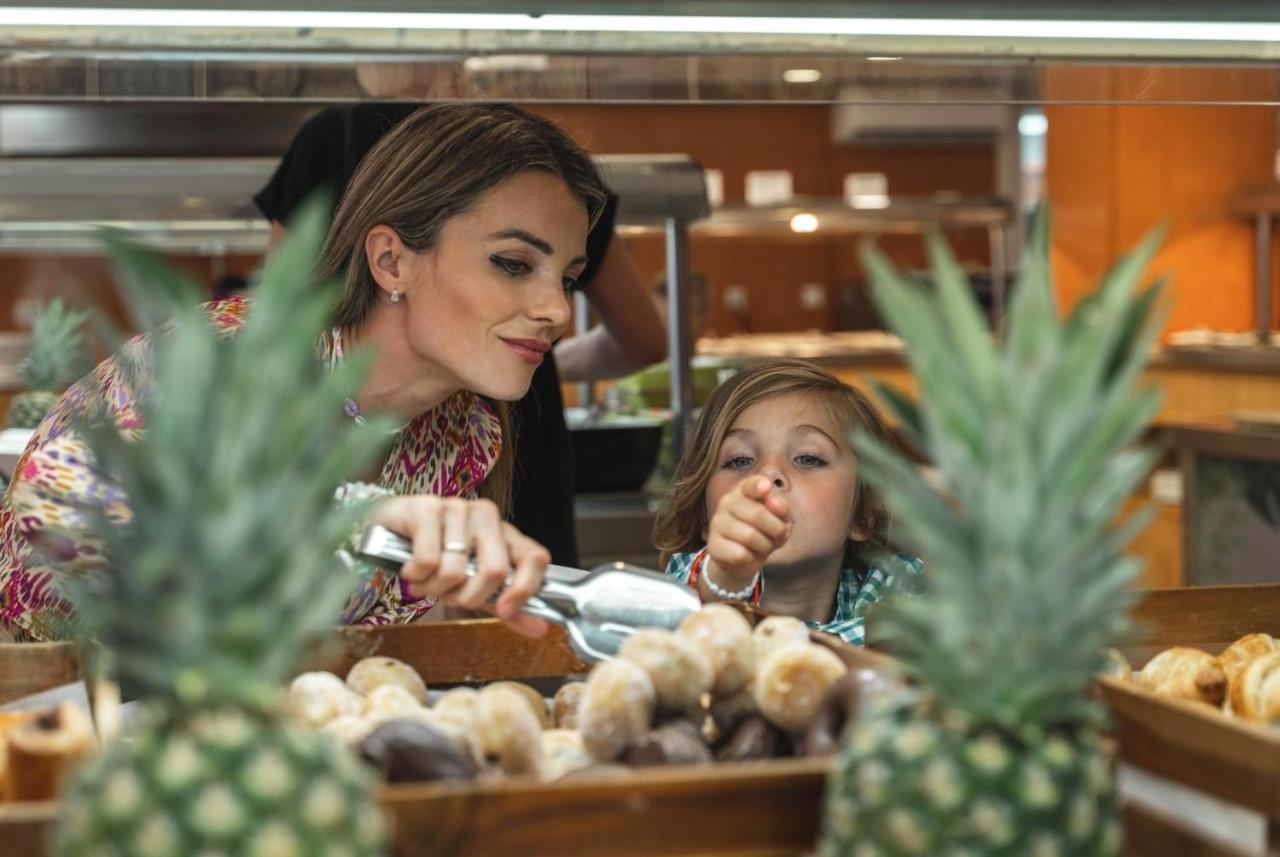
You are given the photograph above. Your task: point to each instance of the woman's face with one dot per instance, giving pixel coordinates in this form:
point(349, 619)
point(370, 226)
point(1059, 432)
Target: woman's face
point(490, 298)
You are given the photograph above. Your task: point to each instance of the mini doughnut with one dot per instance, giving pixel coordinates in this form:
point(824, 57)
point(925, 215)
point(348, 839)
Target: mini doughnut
point(676, 743)
point(616, 709)
point(792, 682)
point(537, 702)
point(457, 706)
point(408, 751)
point(778, 632)
point(316, 698)
point(371, 673)
point(563, 752)
point(724, 637)
point(391, 700)
point(754, 738)
point(566, 703)
point(729, 711)
point(507, 730)
point(679, 672)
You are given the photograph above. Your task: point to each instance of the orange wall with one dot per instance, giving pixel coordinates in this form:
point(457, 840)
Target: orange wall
point(735, 139)
point(1115, 171)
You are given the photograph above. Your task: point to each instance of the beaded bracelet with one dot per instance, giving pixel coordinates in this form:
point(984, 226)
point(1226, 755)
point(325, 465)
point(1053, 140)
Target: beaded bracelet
point(726, 595)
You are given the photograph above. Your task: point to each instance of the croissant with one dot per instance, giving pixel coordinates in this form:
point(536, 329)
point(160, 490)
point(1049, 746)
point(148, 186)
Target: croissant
point(1255, 693)
point(1238, 655)
point(1185, 673)
point(43, 749)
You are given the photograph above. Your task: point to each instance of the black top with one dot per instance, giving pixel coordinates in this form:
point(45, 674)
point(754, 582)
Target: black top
point(327, 149)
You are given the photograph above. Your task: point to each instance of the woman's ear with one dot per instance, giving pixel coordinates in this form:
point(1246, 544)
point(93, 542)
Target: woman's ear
point(388, 259)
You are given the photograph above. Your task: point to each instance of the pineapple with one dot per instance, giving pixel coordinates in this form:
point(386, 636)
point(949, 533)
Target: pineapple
point(56, 359)
point(996, 748)
point(224, 574)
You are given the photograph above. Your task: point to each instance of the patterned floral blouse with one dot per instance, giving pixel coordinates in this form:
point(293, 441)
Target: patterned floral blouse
point(447, 451)
point(876, 574)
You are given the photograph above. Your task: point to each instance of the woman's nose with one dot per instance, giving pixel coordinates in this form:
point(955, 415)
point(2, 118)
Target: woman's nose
point(552, 306)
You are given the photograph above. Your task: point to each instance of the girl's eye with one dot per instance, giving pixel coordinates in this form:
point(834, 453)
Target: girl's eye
point(809, 461)
point(570, 283)
point(513, 267)
point(738, 462)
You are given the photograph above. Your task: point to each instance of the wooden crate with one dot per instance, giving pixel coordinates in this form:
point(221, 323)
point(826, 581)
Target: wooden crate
point(1191, 743)
point(760, 809)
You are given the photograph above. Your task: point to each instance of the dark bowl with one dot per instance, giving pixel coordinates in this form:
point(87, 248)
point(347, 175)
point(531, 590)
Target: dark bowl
point(613, 453)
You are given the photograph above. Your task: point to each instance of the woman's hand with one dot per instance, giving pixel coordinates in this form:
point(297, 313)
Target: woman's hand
point(750, 523)
point(446, 534)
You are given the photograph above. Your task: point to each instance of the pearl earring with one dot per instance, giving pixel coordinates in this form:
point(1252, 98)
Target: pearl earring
point(395, 296)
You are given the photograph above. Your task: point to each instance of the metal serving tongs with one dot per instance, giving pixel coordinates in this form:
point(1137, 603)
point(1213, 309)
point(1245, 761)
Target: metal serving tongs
point(599, 609)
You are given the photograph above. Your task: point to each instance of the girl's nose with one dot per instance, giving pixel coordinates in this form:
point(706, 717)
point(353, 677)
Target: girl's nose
point(774, 475)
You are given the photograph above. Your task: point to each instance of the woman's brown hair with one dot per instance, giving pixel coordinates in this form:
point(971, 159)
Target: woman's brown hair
point(682, 524)
point(430, 168)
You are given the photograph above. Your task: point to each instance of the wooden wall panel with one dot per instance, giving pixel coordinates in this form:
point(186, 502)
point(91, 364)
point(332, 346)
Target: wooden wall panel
point(1115, 171)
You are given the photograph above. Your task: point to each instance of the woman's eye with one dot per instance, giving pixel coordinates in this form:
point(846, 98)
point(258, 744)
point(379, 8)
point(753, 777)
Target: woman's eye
point(738, 462)
point(514, 267)
point(809, 461)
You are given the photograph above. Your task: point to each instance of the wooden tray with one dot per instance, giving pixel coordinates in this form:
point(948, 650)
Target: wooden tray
point(1193, 744)
point(760, 809)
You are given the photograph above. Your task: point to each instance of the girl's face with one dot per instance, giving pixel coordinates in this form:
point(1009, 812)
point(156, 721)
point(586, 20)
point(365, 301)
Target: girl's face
point(793, 440)
point(490, 298)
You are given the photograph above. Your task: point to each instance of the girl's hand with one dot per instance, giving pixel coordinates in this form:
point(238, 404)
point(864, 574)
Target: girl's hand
point(750, 523)
point(448, 532)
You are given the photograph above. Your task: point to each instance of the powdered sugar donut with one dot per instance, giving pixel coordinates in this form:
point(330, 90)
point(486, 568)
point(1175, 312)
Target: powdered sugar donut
point(724, 638)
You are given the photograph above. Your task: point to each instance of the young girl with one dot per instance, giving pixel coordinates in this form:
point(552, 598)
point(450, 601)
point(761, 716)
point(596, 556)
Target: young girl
point(767, 506)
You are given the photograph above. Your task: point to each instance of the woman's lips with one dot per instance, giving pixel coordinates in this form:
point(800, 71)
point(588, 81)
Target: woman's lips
point(531, 351)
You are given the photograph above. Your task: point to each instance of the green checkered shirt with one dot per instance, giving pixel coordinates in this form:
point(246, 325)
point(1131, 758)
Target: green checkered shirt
point(880, 572)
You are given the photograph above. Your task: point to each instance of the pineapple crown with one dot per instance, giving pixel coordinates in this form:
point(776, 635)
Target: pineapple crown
point(226, 570)
point(1036, 440)
point(57, 356)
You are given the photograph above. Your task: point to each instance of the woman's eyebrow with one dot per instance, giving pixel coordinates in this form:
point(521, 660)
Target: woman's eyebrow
point(533, 241)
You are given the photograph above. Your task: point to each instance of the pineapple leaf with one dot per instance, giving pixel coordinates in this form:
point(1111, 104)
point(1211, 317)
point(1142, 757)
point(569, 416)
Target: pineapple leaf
point(225, 572)
point(1035, 440)
point(57, 356)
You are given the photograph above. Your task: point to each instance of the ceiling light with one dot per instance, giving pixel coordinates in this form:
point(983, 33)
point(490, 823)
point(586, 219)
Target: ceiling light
point(947, 28)
point(883, 59)
point(801, 75)
point(1033, 125)
point(804, 222)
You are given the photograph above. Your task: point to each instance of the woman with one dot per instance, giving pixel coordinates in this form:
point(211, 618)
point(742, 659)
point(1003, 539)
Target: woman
point(326, 151)
point(456, 243)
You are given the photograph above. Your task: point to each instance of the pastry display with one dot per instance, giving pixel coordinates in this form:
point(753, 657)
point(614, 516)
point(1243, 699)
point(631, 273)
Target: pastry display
point(507, 729)
point(616, 709)
point(537, 703)
point(371, 673)
point(792, 682)
point(1238, 655)
point(777, 632)
point(723, 636)
point(41, 749)
point(1185, 673)
point(678, 742)
point(566, 702)
point(1115, 665)
point(1255, 691)
point(408, 751)
point(679, 672)
point(315, 698)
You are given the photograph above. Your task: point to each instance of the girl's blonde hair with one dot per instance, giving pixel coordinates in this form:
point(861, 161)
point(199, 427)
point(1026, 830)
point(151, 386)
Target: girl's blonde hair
point(682, 524)
point(428, 169)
